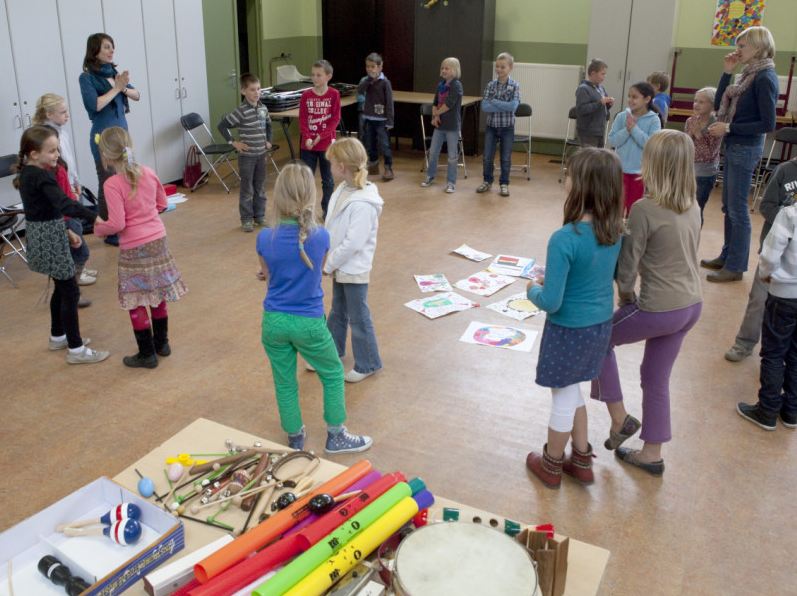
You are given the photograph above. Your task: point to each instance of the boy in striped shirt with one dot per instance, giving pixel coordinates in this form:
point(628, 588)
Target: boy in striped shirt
point(254, 139)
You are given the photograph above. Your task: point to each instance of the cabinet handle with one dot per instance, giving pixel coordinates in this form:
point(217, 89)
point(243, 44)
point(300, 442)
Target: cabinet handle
point(29, 122)
point(177, 93)
point(185, 92)
point(18, 120)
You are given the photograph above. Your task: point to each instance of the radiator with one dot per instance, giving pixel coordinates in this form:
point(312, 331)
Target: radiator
point(550, 90)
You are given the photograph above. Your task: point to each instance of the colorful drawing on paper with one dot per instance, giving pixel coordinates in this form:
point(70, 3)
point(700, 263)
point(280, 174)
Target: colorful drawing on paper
point(536, 272)
point(435, 282)
point(484, 283)
point(440, 305)
point(734, 16)
point(510, 265)
point(517, 307)
point(471, 253)
point(499, 336)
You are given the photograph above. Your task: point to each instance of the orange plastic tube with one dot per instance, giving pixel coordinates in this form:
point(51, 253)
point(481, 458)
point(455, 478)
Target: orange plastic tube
point(276, 525)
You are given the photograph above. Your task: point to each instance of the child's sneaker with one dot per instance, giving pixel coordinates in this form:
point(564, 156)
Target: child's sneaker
point(754, 414)
point(737, 353)
point(345, 442)
point(354, 376)
point(788, 420)
point(484, 187)
point(86, 356)
point(61, 344)
point(504, 190)
point(248, 225)
point(260, 222)
point(296, 440)
point(427, 183)
point(450, 188)
point(388, 175)
point(91, 272)
point(86, 280)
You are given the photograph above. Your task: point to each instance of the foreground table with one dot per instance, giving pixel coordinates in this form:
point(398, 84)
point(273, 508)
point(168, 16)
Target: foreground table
point(586, 562)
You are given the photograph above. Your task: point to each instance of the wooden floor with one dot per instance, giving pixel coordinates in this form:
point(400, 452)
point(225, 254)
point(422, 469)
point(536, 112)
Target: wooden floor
point(461, 416)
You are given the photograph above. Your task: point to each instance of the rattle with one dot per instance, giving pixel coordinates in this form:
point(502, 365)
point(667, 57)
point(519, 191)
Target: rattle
point(123, 532)
point(121, 512)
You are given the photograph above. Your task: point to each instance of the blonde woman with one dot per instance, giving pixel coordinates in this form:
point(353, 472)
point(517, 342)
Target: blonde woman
point(148, 275)
point(745, 113)
point(447, 122)
point(292, 249)
point(352, 221)
point(661, 249)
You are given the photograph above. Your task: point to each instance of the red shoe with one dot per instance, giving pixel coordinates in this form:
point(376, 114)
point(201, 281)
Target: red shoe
point(545, 467)
point(579, 465)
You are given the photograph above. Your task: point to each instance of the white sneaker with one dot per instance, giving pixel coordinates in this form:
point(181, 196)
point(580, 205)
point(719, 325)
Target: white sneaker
point(450, 188)
point(353, 376)
point(91, 272)
point(504, 190)
point(86, 279)
point(427, 183)
point(60, 344)
point(86, 356)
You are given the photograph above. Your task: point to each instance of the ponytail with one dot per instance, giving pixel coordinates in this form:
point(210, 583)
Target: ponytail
point(117, 148)
point(305, 223)
point(350, 153)
point(294, 196)
point(45, 104)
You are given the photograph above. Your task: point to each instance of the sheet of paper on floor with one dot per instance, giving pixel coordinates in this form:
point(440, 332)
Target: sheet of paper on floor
point(471, 253)
point(499, 336)
point(484, 283)
point(511, 265)
point(517, 306)
point(440, 305)
point(434, 282)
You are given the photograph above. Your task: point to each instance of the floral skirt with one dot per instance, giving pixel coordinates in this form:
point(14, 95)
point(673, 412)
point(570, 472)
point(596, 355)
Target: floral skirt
point(148, 275)
point(48, 249)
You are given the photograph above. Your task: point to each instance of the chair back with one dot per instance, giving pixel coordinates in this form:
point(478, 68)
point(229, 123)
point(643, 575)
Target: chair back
point(572, 113)
point(426, 109)
point(7, 162)
point(191, 121)
point(787, 135)
point(523, 111)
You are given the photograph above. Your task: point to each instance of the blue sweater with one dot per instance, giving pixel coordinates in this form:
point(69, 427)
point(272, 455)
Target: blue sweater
point(113, 114)
point(579, 272)
point(755, 109)
point(629, 146)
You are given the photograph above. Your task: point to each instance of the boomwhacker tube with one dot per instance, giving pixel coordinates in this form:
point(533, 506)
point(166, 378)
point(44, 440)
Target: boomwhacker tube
point(328, 573)
point(276, 554)
point(326, 547)
point(275, 526)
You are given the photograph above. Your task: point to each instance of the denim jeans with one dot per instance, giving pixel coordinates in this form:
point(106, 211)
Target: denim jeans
point(350, 306)
point(377, 138)
point(705, 184)
point(506, 136)
point(317, 158)
point(740, 163)
point(451, 139)
point(750, 329)
point(591, 140)
point(81, 254)
point(252, 198)
point(778, 390)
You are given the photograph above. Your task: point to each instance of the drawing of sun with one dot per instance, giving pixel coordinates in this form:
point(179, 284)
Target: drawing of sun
point(499, 336)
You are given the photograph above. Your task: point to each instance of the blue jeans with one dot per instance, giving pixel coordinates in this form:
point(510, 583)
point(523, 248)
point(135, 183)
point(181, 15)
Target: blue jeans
point(81, 254)
point(252, 198)
point(350, 306)
point(740, 163)
point(451, 139)
point(705, 184)
point(506, 136)
point(778, 375)
point(313, 158)
point(377, 138)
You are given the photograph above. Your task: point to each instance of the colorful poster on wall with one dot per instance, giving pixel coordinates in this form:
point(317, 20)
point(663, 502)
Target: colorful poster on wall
point(499, 336)
point(734, 16)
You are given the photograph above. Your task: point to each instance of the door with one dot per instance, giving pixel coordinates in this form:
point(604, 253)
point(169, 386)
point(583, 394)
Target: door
point(609, 26)
point(191, 59)
point(650, 48)
point(10, 112)
point(79, 19)
point(221, 53)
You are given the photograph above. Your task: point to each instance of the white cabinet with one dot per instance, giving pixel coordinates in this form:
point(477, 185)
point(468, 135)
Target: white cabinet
point(10, 112)
point(634, 37)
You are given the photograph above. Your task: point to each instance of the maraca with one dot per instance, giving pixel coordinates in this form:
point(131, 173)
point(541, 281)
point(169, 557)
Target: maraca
point(284, 500)
point(59, 574)
point(123, 532)
point(120, 512)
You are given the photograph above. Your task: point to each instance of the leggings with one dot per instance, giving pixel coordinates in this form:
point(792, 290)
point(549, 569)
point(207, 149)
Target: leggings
point(140, 319)
point(63, 311)
point(566, 400)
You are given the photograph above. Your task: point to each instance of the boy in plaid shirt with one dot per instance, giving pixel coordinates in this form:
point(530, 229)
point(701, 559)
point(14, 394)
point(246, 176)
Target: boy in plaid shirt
point(501, 99)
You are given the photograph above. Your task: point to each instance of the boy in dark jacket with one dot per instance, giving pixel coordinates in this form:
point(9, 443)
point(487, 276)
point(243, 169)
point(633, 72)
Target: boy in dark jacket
point(377, 115)
point(592, 106)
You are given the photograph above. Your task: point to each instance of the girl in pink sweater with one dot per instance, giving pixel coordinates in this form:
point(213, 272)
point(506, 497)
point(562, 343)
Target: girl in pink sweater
point(148, 276)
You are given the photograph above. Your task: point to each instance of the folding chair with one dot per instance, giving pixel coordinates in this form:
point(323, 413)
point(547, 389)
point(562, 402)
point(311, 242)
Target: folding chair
point(524, 111)
point(10, 221)
point(571, 143)
point(426, 110)
point(220, 152)
point(787, 137)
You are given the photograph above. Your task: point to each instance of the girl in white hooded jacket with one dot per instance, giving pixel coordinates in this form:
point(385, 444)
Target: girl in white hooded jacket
point(352, 221)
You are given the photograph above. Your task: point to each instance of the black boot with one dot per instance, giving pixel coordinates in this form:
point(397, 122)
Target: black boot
point(160, 331)
point(146, 357)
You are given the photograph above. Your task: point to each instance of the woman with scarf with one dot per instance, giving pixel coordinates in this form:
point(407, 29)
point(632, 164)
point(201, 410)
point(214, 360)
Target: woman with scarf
point(105, 93)
point(745, 113)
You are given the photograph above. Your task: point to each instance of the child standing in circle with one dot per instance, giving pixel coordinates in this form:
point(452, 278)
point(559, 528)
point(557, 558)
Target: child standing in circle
point(630, 131)
point(377, 115)
point(707, 146)
point(577, 294)
point(148, 275)
point(352, 222)
point(48, 240)
point(292, 250)
point(447, 122)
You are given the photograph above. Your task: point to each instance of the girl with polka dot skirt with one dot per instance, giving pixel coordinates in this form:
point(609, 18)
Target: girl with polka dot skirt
point(577, 295)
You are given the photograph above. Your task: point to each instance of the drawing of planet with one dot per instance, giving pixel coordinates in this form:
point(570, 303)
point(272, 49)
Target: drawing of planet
point(522, 305)
point(499, 336)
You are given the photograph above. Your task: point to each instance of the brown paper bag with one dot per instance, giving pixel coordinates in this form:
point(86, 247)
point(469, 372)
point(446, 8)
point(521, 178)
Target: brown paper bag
point(550, 554)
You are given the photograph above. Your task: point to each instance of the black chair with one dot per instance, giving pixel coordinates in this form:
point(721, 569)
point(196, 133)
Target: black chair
point(524, 111)
point(787, 137)
point(426, 112)
point(215, 154)
point(10, 221)
point(571, 144)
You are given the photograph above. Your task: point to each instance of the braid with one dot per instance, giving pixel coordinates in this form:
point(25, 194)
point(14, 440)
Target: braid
point(303, 233)
point(18, 168)
point(361, 177)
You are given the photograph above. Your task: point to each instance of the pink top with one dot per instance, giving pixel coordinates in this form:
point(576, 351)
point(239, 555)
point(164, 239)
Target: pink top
point(319, 116)
point(135, 218)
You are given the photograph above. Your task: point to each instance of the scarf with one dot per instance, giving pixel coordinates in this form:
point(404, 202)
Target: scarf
point(442, 91)
point(731, 96)
point(101, 84)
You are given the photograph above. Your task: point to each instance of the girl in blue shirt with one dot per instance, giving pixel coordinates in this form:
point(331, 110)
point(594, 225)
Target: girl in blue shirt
point(292, 252)
point(577, 295)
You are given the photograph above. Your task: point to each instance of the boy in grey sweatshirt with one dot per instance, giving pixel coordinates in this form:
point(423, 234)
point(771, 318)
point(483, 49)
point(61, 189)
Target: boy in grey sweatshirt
point(592, 106)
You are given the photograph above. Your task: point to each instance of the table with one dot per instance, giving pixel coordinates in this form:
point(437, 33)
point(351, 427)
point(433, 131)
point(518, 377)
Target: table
point(586, 563)
point(285, 119)
point(681, 114)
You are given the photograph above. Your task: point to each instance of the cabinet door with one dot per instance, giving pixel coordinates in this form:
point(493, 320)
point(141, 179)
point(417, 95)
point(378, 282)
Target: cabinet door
point(608, 35)
point(165, 88)
point(36, 48)
point(78, 20)
point(125, 24)
point(650, 47)
point(10, 112)
point(191, 59)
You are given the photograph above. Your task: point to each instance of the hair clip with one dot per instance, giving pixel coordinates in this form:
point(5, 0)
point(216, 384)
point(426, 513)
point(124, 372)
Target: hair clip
point(128, 155)
point(96, 138)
